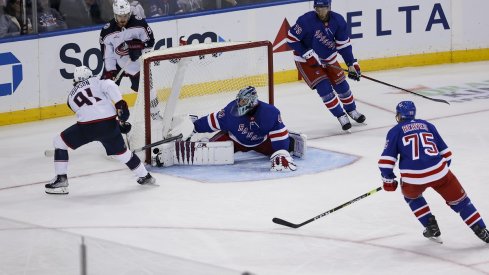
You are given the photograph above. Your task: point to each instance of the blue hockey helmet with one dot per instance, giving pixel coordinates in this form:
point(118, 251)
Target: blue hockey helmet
point(405, 110)
point(322, 3)
point(246, 100)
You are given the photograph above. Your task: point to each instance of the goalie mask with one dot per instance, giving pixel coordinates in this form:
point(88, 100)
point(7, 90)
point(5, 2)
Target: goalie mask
point(405, 110)
point(246, 100)
point(81, 73)
point(122, 12)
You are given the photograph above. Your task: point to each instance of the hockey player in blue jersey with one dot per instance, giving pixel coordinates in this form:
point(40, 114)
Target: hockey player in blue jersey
point(424, 161)
point(252, 125)
point(316, 38)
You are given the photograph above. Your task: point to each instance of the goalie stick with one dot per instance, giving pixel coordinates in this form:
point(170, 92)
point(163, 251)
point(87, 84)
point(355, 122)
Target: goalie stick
point(166, 140)
point(393, 86)
point(293, 225)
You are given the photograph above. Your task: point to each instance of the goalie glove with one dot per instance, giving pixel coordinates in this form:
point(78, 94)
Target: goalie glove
point(390, 184)
point(312, 59)
point(354, 71)
point(122, 110)
point(282, 161)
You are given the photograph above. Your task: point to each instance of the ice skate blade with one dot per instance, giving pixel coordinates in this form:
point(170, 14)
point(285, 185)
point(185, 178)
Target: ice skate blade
point(436, 240)
point(149, 185)
point(57, 191)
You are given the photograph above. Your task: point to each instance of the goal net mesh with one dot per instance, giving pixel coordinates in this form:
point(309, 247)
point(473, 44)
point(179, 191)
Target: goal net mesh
point(195, 79)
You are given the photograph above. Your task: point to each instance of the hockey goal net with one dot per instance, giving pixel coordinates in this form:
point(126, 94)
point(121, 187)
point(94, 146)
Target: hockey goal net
point(195, 79)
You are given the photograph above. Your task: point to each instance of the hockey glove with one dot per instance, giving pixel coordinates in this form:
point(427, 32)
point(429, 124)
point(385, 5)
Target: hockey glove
point(390, 185)
point(312, 59)
point(282, 162)
point(354, 71)
point(125, 127)
point(109, 75)
point(135, 44)
point(122, 110)
point(135, 54)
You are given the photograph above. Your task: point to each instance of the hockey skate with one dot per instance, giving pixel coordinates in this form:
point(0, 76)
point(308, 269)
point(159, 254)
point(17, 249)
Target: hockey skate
point(147, 180)
point(358, 117)
point(345, 122)
point(432, 231)
point(58, 185)
point(482, 233)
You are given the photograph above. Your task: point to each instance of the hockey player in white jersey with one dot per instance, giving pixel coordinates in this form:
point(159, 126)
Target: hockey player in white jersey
point(122, 41)
point(97, 120)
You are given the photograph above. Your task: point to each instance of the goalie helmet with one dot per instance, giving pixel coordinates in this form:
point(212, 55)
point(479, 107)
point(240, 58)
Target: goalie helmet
point(246, 100)
point(322, 3)
point(81, 73)
point(405, 110)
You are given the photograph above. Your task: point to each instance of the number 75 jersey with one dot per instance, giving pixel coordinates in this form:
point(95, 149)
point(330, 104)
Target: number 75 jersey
point(92, 100)
point(423, 155)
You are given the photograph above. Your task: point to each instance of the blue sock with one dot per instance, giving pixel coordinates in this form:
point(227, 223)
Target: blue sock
point(468, 213)
point(420, 209)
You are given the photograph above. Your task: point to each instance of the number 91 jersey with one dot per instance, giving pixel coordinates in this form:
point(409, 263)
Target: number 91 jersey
point(423, 155)
point(92, 100)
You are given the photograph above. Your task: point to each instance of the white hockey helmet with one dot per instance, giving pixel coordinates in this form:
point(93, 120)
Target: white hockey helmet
point(121, 7)
point(82, 73)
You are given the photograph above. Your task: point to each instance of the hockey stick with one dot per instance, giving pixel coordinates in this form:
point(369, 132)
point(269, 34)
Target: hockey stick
point(393, 86)
point(50, 153)
point(293, 225)
point(166, 140)
point(123, 69)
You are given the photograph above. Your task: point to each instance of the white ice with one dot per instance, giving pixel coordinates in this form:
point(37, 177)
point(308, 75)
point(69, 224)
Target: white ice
point(191, 227)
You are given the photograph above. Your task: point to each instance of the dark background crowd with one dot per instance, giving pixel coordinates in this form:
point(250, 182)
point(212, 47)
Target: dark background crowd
point(37, 16)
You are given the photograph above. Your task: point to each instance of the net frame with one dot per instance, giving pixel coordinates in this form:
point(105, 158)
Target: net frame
point(181, 52)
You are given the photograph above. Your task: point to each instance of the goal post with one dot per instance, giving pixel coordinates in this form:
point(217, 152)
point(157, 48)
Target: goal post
point(196, 79)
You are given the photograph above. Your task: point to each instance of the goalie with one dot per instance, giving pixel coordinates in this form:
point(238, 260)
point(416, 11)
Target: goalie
point(254, 125)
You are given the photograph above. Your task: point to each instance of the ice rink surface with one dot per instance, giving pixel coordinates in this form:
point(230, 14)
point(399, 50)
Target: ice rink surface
point(187, 226)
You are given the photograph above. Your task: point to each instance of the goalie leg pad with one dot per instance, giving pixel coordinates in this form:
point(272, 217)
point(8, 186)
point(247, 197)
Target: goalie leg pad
point(298, 144)
point(195, 153)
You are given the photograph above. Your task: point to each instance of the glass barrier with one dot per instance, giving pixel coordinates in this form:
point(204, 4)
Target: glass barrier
point(19, 17)
point(28, 249)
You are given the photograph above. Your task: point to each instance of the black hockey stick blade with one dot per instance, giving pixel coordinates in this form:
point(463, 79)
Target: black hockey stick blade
point(293, 225)
point(166, 140)
point(285, 223)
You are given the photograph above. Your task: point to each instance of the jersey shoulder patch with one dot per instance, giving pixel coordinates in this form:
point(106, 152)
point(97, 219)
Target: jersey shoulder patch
point(106, 26)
